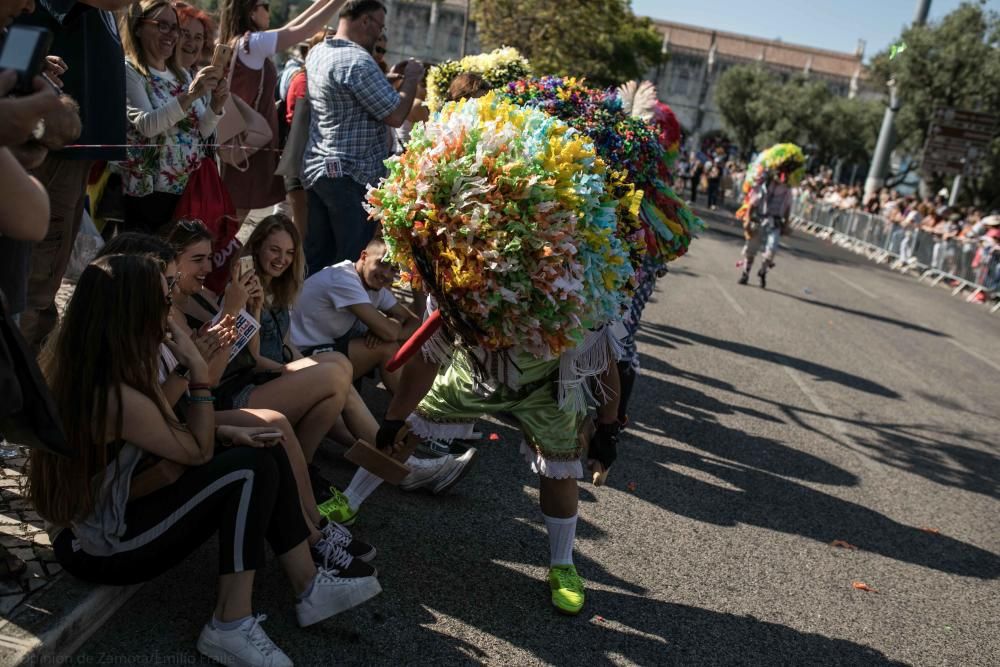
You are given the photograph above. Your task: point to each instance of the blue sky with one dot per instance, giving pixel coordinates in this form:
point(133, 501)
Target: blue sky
point(830, 24)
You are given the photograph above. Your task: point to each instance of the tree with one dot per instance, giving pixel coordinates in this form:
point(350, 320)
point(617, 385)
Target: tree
point(760, 110)
point(601, 40)
point(954, 62)
point(743, 95)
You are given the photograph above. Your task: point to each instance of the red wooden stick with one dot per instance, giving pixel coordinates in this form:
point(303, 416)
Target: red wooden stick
point(419, 337)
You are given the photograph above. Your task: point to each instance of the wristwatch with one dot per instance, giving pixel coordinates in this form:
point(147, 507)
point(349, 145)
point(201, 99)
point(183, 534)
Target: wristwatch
point(183, 371)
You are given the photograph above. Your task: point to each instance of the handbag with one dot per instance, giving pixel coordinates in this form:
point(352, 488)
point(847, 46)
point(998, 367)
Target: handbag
point(290, 165)
point(205, 198)
point(242, 131)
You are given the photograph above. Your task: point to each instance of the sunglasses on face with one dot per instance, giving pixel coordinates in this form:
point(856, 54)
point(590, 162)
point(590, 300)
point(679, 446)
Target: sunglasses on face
point(381, 50)
point(265, 5)
point(164, 27)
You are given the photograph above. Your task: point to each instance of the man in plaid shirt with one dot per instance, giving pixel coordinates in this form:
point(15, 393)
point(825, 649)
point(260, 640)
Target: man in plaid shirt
point(353, 107)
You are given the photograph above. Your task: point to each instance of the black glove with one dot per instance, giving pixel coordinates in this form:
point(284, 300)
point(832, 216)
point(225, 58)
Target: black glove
point(604, 444)
point(387, 433)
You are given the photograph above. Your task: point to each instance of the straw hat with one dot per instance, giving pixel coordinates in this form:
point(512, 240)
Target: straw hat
point(991, 220)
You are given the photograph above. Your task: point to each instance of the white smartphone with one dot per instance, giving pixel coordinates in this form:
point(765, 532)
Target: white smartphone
point(246, 265)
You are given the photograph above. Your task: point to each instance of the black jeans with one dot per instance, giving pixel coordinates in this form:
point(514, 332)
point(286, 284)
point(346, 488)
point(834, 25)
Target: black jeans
point(713, 191)
point(245, 494)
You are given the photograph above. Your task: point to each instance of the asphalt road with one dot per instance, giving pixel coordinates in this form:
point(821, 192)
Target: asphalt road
point(845, 402)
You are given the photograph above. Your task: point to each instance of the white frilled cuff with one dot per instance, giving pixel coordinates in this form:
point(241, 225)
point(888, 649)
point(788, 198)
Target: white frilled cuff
point(551, 469)
point(443, 431)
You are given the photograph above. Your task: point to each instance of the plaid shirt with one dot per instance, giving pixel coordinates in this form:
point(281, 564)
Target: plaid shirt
point(350, 99)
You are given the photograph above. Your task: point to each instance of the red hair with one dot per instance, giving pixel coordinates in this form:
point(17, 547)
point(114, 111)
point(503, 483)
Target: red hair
point(186, 12)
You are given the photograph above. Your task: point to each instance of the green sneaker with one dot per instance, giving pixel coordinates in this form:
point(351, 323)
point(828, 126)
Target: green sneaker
point(567, 589)
point(338, 509)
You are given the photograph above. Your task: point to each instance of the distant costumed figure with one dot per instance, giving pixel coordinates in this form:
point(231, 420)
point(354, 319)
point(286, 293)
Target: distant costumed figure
point(507, 218)
point(639, 137)
point(767, 202)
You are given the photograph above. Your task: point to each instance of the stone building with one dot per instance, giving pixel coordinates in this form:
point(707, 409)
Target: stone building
point(428, 30)
point(431, 30)
point(699, 56)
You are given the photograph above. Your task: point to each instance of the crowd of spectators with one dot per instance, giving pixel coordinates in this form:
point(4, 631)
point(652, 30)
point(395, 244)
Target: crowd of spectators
point(193, 388)
point(962, 241)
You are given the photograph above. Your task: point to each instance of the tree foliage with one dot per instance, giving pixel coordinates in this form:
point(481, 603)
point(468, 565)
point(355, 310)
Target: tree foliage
point(759, 110)
point(601, 40)
point(954, 62)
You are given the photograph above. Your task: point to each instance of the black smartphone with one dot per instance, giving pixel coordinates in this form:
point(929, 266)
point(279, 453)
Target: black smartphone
point(24, 51)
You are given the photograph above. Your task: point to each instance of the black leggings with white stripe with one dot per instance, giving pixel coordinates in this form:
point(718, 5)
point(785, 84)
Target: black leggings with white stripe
point(246, 495)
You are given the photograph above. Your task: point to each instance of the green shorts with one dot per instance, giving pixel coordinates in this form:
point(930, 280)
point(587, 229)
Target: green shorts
point(451, 407)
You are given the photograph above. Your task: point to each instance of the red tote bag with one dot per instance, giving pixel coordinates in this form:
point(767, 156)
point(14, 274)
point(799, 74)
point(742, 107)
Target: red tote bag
point(205, 198)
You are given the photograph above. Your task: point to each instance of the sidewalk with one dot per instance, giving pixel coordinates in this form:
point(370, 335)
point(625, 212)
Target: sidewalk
point(45, 613)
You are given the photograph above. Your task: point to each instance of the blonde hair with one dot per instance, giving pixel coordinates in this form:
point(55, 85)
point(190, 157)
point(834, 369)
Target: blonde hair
point(128, 27)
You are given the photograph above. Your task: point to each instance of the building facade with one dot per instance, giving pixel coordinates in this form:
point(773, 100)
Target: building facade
point(697, 57)
point(428, 30)
point(431, 31)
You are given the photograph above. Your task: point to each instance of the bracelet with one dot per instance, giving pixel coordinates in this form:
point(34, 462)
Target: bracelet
point(201, 399)
point(199, 386)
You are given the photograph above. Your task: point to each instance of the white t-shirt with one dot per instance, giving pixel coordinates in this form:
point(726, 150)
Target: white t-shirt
point(263, 45)
point(321, 316)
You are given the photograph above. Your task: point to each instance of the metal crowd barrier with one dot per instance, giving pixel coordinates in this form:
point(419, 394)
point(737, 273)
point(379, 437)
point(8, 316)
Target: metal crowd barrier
point(966, 264)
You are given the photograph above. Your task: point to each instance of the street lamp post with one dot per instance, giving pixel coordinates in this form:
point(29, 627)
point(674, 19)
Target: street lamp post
point(883, 149)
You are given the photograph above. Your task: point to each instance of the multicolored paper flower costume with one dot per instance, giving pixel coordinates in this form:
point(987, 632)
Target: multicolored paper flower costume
point(503, 214)
point(780, 158)
point(497, 68)
point(625, 142)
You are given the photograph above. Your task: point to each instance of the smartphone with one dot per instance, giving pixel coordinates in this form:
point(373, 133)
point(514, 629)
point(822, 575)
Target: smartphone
point(24, 51)
point(246, 265)
point(269, 435)
point(222, 56)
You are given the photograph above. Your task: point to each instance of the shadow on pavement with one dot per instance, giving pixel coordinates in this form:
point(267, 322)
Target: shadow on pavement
point(862, 313)
point(743, 479)
point(658, 334)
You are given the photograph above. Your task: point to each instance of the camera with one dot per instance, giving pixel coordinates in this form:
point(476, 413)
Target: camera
point(24, 51)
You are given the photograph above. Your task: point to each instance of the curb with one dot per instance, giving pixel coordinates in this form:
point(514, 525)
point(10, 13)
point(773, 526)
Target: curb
point(48, 628)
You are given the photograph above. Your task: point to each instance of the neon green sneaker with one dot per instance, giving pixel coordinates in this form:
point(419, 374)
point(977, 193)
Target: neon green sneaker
point(338, 509)
point(567, 589)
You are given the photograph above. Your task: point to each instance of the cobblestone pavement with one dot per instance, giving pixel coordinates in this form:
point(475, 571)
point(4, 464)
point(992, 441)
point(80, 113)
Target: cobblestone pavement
point(23, 535)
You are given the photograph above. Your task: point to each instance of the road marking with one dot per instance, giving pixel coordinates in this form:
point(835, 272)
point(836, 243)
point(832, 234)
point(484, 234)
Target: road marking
point(732, 302)
point(851, 283)
point(974, 354)
point(838, 425)
point(814, 398)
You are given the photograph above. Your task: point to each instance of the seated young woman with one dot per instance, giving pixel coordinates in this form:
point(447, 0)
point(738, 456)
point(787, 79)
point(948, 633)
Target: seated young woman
point(327, 539)
point(312, 397)
point(237, 483)
point(279, 262)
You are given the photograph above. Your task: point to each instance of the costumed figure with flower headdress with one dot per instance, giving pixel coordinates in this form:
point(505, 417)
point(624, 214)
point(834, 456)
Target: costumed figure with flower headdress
point(767, 203)
point(507, 217)
point(640, 137)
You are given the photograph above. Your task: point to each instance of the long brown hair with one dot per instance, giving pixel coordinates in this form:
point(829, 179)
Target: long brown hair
point(234, 19)
point(128, 27)
point(109, 337)
point(284, 290)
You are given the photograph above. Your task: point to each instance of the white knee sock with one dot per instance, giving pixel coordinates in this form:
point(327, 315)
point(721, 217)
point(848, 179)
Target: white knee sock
point(362, 485)
point(562, 533)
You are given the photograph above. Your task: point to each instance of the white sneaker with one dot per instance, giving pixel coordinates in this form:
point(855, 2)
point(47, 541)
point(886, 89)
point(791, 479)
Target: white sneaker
point(423, 471)
point(331, 595)
point(449, 476)
point(246, 646)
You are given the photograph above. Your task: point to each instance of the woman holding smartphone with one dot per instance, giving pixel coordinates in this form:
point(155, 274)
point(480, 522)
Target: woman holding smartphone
point(235, 485)
point(244, 25)
point(171, 114)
